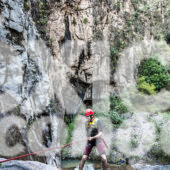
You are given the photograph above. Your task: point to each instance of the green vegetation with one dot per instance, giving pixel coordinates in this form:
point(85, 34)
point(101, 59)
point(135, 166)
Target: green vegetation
point(53, 106)
point(85, 21)
point(117, 6)
point(117, 106)
point(77, 8)
point(115, 117)
point(51, 42)
point(70, 130)
point(158, 37)
point(157, 127)
point(70, 124)
point(16, 110)
point(134, 2)
point(114, 56)
point(134, 143)
point(145, 87)
point(116, 109)
point(153, 73)
point(26, 6)
point(40, 11)
point(158, 154)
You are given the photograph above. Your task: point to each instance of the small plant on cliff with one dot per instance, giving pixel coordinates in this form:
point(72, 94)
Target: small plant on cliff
point(85, 21)
point(26, 6)
point(70, 124)
point(134, 143)
point(117, 105)
point(152, 72)
point(117, 6)
point(51, 42)
point(116, 108)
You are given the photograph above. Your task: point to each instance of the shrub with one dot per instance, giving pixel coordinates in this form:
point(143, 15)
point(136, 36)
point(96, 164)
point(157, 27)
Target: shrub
point(157, 153)
point(116, 105)
point(145, 87)
point(115, 117)
point(116, 108)
point(154, 73)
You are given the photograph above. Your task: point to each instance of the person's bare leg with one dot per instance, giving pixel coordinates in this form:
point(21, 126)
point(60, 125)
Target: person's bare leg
point(104, 162)
point(82, 162)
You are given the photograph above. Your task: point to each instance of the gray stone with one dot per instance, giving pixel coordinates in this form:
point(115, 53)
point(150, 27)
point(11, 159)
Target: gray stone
point(15, 26)
point(25, 165)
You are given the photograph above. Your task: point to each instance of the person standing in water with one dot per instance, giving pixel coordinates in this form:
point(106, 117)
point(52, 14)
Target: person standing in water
point(94, 132)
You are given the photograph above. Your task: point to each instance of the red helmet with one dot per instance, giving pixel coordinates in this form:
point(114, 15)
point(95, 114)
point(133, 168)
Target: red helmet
point(88, 112)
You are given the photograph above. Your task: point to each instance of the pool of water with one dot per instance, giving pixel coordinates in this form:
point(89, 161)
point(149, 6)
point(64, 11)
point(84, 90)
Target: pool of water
point(73, 165)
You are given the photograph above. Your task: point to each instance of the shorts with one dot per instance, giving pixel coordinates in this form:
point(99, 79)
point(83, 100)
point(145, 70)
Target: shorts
point(90, 144)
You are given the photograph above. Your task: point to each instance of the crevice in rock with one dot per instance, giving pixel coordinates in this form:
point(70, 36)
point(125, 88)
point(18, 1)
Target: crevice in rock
point(79, 86)
point(31, 76)
point(15, 37)
point(47, 135)
point(67, 35)
point(81, 60)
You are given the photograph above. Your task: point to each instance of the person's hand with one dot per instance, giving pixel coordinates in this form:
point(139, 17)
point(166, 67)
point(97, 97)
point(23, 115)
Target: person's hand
point(90, 138)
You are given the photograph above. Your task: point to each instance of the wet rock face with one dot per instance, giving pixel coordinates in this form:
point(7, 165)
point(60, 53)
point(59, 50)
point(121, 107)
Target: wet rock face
point(18, 31)
point(26, 81)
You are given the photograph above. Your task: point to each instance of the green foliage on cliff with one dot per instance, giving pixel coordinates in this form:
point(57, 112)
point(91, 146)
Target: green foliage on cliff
point(85, 20)
point(158, 154)
point(70, 130)
point(26, 6)
point(145, 87)
point(70, 126)
point(41, 10)
point(117, 6)
point(152, 72)
point(117, 105)
point(116, 109)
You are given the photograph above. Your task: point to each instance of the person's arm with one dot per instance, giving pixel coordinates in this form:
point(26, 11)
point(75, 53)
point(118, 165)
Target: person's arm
point(94, 137)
